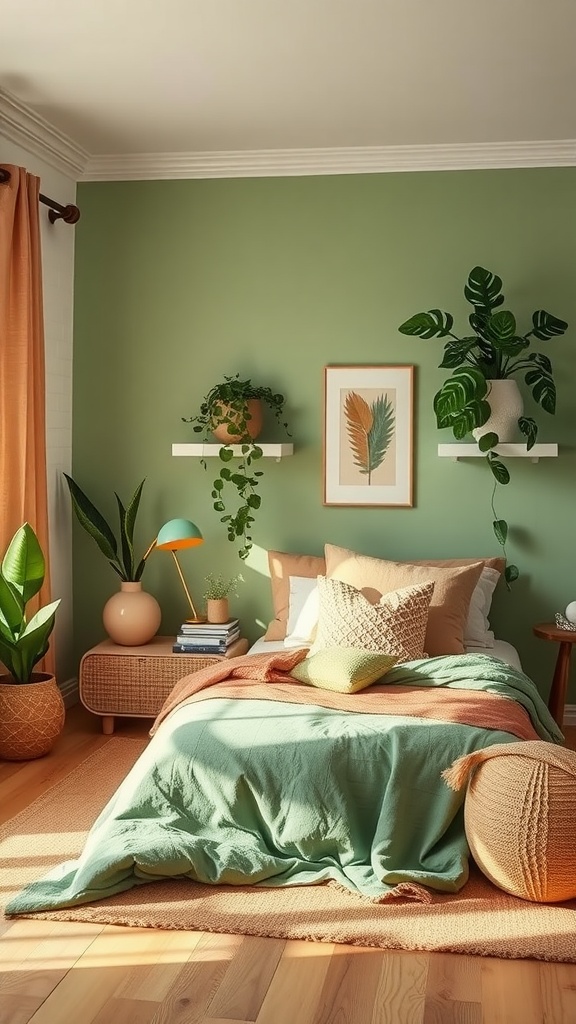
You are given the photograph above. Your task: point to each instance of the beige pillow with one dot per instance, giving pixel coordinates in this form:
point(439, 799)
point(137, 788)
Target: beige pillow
point(282, 566)
point(450, 601)
point(343, 669)
point(396, 625)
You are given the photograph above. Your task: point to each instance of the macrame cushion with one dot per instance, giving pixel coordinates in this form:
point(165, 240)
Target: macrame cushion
point(520, 817)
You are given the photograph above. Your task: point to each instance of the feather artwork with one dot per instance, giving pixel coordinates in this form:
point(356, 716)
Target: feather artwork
point(370, 430)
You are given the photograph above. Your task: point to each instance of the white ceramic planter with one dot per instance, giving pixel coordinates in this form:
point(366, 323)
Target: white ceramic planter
point(506, 406)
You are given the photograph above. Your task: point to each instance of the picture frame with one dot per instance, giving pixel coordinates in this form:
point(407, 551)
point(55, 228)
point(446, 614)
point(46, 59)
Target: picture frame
point(368, 435)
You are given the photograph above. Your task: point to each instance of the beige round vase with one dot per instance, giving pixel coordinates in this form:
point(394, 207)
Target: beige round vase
point(131, 616)
point(253, 423)
point(217, 610)
point(31, 717)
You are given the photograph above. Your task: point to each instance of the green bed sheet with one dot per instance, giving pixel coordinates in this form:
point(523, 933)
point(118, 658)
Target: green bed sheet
point(267, 793)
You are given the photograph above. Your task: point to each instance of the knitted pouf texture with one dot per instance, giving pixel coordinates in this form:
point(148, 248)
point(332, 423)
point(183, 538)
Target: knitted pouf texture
point(520, 817)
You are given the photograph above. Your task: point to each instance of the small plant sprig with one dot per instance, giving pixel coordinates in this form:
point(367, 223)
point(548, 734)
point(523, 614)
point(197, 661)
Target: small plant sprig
point(219, 586)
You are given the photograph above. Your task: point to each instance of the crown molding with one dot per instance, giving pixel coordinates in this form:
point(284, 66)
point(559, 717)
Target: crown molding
point(353, 160)
point(23, 126)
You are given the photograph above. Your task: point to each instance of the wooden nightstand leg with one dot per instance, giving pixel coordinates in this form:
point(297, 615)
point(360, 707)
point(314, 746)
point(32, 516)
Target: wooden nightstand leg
point(557, 698)
point(107, 724)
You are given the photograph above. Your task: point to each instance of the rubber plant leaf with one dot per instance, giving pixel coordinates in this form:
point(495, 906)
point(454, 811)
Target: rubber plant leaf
point(23, 565)
point(33, 642)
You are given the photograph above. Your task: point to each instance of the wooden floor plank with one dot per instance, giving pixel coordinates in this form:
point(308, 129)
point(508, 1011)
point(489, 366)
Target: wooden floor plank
point(558, 988)
point(242, 992)
point(296, 988)
point(511, 992)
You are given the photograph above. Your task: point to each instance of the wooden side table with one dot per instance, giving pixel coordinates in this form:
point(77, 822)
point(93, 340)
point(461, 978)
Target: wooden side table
point(566, 638)
point(133, 682)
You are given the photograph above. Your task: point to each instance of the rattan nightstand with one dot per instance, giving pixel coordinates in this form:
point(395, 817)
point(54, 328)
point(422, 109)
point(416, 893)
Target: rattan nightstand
point(135, 681)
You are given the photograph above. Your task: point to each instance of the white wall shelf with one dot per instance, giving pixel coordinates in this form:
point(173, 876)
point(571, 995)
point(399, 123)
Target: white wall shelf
point(509, 450)
point(208, 450)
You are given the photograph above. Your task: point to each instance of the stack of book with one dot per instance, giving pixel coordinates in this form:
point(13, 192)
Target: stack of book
point(206, 637)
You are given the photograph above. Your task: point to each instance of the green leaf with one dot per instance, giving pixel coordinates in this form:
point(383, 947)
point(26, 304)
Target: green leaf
point(23, 564)
point(541, 360)
point(500, 527)
point(501, 327)
point(488, 441)
point(499, 471)
point(92, 521)
point(546, 326)
point(11, 608)
point(464, 386)
point(455, 352)
point(125, 544)
point(218, 484)
point(219, 506)
point(529, 429)
point(484, 290)
point(511, 573)
point(433, 324)
point(543, 389)
point(225, 474)
point(226, 454)
point(254, 500)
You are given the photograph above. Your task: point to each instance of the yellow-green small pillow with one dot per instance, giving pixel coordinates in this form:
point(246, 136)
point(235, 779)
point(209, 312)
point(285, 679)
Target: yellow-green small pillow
point(343, 669)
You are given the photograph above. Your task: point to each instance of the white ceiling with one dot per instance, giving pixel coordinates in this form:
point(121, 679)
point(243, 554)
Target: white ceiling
point(196, 76)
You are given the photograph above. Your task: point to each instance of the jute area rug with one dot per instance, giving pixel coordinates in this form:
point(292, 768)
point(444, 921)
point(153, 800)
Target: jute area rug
point(480, 920)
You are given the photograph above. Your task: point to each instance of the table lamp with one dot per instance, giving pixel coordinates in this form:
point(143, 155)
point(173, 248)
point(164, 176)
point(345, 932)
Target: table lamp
point(174, 536)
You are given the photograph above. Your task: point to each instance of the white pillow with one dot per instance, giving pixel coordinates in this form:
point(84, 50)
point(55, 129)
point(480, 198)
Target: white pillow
point(477, 632)
point(303, 611)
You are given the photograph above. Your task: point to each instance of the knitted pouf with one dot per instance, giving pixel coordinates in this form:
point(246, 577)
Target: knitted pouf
point(520, 817)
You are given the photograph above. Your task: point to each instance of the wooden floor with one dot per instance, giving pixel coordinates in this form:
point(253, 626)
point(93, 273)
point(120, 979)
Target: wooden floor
point(71, 973)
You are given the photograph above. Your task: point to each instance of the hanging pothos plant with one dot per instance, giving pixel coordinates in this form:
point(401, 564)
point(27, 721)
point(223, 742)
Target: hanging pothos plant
point(370, 430)
point(229, 404)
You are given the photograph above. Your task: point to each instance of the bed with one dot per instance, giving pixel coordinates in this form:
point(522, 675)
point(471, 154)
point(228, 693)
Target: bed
point(287, 767)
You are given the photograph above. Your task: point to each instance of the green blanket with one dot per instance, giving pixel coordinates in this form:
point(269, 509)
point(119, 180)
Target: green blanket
point(269, 793)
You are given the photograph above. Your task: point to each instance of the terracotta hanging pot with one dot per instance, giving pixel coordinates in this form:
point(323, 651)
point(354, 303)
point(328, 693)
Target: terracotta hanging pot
point(253, 424)
point(131, 616)
point(31, 717)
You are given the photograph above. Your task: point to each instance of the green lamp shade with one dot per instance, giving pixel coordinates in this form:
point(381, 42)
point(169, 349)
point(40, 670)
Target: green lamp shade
point(177, 534)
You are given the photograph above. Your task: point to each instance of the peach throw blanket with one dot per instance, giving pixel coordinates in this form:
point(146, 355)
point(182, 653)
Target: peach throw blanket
point(267, 677)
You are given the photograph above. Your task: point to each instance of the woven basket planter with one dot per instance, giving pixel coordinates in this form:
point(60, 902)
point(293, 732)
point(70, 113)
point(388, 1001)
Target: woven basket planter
point(31, 717)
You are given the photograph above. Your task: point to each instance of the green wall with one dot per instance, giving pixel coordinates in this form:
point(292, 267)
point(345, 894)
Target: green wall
point(180, 282)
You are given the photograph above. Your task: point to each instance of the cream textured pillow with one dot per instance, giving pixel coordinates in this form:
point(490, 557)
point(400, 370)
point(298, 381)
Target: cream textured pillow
point(343, 669)
point(396, 625)
point(449, 605)
point(282, 566)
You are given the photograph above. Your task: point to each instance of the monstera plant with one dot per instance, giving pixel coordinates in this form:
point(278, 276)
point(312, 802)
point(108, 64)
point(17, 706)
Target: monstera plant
point(496, 349)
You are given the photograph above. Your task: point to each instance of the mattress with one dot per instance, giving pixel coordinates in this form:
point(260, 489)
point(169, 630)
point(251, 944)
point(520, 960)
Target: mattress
point(502, 650)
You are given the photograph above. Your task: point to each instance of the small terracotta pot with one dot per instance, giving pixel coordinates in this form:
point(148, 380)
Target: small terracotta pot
point(31, 717)
point(253, 425)
point(217, 609)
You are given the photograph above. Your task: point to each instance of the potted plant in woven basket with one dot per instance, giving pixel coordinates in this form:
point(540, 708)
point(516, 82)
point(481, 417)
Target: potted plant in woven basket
point(31, 705)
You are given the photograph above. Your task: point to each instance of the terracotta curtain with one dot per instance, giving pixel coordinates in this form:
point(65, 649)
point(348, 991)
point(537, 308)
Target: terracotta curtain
point(23, 487)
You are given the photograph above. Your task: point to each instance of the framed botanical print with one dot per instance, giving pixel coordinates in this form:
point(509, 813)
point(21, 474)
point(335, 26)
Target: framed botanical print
point(368, 435)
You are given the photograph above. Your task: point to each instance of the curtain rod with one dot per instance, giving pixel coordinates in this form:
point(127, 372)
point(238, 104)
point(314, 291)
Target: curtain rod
point(69, 214)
